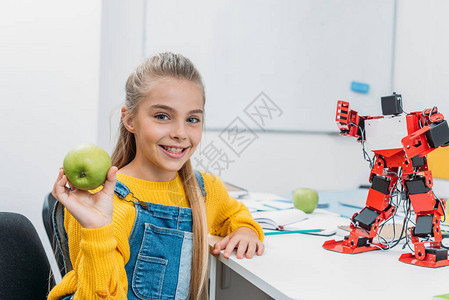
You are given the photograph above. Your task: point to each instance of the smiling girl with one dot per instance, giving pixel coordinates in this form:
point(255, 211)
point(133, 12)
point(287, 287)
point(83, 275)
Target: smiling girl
point(144, 234)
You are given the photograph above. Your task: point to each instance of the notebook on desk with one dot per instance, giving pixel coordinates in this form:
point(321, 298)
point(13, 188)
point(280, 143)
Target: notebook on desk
point(265, 202)
point(278, 219)
point(322, 219)
point(235, 191)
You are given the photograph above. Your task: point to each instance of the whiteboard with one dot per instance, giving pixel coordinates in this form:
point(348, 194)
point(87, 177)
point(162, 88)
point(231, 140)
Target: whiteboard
point(279, 65)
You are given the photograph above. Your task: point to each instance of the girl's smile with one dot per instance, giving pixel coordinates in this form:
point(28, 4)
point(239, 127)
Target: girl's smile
point(173, 151)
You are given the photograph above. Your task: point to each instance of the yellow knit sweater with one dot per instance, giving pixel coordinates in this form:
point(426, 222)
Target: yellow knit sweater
point(99, 255)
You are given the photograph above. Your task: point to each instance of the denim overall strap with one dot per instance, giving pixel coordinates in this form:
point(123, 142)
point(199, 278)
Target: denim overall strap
point(200, 180)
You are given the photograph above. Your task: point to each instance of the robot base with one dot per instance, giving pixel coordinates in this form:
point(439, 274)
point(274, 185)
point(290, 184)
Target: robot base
point(429, 261)
point(342, 247)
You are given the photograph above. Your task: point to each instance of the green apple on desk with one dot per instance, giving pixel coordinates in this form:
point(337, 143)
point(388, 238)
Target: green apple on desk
point(86, 166)
point(305, 199)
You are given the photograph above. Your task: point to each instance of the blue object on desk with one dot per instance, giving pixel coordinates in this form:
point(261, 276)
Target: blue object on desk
point(360, 87)
point(339, 200)
point(292, 231)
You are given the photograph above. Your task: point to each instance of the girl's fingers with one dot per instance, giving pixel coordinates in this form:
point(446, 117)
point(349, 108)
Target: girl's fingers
point(230, 247)
point(243, 246)
point(60, 191)
point(72, 187)
point(251, 249)
point(109, 184)
point(60, 183)
point(260, 248)
point(220, 245)
point(60, 174)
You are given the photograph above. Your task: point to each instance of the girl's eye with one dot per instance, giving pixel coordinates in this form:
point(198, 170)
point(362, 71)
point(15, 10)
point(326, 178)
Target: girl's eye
point(193, 120)
point(161, 117)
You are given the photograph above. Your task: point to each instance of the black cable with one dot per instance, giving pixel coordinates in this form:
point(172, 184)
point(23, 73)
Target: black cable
point(403, 108)
point(395, 192)
point(365, 154)
point(408, 216)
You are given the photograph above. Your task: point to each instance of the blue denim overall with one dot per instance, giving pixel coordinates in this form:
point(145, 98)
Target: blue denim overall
point(160, 244)
point(161, 253)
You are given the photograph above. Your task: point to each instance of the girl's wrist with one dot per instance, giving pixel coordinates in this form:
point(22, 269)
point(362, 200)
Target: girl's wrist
point(96, 224)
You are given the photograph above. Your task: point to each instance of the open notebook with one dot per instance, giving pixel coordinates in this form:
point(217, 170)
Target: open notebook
point(278, 219)
point(294, 219)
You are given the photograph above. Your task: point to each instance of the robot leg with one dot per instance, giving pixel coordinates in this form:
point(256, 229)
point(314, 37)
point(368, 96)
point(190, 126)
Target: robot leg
point(426, 234)
point(365, 225)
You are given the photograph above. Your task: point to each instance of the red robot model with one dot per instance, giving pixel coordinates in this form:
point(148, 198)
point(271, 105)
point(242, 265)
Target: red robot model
point(400, 142)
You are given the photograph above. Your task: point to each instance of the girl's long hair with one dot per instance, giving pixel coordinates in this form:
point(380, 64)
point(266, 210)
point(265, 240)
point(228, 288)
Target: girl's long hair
point(139, 83)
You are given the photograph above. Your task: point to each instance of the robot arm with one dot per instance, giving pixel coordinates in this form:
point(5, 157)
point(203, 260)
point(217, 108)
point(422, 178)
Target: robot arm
point(427, 131)
point(431, 115)
point(350, 122)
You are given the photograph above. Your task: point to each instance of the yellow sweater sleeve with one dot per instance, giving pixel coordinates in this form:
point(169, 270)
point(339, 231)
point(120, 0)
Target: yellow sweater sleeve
point(98, 258)
point(224, 213)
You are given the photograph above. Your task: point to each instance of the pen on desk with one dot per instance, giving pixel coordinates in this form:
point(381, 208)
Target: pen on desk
point(293, 231)
point(273, 207)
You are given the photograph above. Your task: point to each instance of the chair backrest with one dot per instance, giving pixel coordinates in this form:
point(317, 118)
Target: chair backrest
point(25, 271)
point(53, 218)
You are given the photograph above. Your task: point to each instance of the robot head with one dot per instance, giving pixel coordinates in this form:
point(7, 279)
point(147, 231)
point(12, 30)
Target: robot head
point(392, 105)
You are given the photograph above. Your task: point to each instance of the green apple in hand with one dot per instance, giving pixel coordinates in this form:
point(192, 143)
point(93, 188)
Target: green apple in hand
point(305, 199)
point(86, 166)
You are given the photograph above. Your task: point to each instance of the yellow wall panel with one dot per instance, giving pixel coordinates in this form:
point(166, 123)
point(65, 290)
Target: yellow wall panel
point(438, 162)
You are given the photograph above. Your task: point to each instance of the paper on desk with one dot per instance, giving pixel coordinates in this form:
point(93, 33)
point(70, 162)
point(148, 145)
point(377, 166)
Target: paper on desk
point(320, 219)
point(265, 202)
point(235, 191)
point(278, 219)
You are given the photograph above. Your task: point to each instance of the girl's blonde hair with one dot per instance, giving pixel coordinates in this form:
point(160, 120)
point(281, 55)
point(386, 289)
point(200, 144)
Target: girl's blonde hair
point(139, 83)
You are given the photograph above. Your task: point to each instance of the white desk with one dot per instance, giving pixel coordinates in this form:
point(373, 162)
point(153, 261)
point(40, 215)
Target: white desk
point(296, 266)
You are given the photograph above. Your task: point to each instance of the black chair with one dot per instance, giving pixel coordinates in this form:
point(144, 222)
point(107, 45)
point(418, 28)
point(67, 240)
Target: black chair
point(53, 218)
point(25, 271)
point(47, 212)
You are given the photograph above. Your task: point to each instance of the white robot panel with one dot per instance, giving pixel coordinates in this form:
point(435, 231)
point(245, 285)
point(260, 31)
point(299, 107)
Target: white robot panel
point(385, 133)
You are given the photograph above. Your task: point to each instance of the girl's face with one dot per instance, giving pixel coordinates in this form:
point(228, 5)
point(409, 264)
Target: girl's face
point(167, 127)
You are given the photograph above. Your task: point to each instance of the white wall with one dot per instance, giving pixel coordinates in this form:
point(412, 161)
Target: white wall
point(49, 82)
point(281, 162)
point(121, 51)
point(422, 60)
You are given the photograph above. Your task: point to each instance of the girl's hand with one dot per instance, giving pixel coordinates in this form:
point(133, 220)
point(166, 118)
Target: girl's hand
point(90, 210)
point(244, 239)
